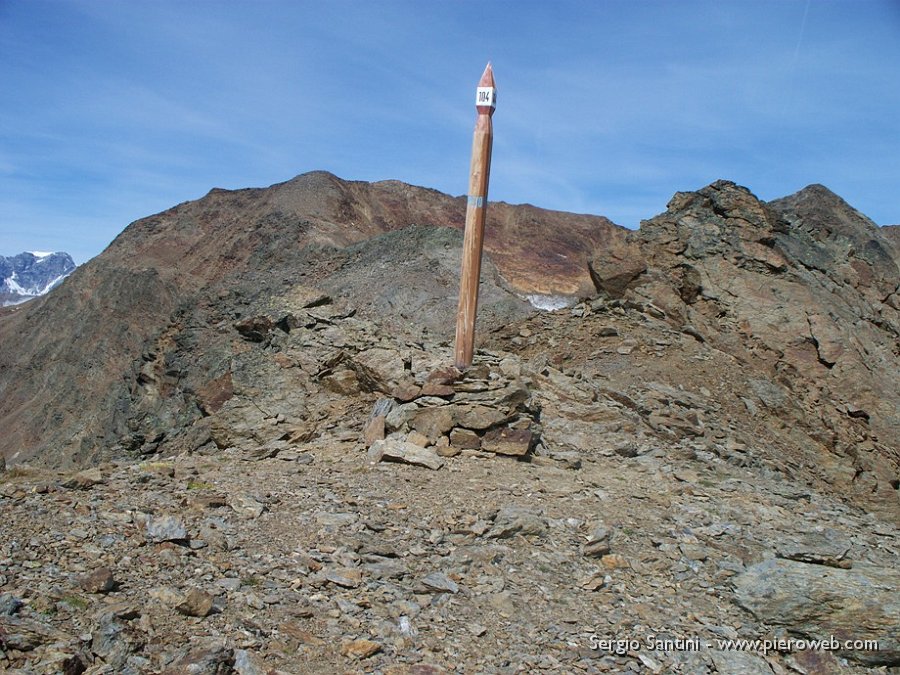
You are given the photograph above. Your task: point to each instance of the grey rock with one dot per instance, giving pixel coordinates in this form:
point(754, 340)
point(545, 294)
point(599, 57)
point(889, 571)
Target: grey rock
point(206, 660)
point(392, 450)
point(598, 542)
point(399, 416)
point(773, 396)
point(825, 547)
point(248, 663)
point(739, 663)
point(569, 459)
point(438, 582)
point(165, 528)
point(386, 569)
point(820, 602)
point(9, 604)
point(246, 506)
point(328, 519)
point(513, 520)
point(382, 407)
point(115, 641)
point(578, 435)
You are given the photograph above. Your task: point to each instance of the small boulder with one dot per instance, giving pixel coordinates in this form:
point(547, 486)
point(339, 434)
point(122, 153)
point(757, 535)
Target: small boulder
point(196, 603)
point(360, 649)
point(165, 528)
point(101, 580)
point(392, 450)
point(514, 442)
point(512, 520)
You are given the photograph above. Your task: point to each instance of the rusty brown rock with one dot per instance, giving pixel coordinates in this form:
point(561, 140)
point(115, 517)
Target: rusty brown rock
point(374, 430)
point(360, 649)
point(465, 439)
point(100, 580)
point(433, 422)
point(515, 442)
point(196, 603)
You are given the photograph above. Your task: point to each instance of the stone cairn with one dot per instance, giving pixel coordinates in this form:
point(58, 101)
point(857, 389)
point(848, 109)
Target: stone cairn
point(486, 409)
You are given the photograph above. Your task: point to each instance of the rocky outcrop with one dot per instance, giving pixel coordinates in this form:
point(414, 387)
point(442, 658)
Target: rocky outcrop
point(804, 289)
point(858, 605)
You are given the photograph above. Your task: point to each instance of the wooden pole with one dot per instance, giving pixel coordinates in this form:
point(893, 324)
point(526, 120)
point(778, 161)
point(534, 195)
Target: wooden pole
point(473, 239)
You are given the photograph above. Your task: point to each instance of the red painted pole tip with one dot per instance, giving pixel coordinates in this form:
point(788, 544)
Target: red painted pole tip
point(487, 78)
point(486, 94)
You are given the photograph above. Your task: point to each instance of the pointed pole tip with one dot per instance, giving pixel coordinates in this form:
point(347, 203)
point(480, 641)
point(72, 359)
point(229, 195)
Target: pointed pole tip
point(487, 77)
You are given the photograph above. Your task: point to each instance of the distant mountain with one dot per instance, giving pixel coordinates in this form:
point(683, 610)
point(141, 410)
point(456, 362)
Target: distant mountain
point(31, 274)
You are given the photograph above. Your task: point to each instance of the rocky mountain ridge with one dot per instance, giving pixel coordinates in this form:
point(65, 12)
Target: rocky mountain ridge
point(218, 256)
point(286, 475)
point(31, 274)
point(804, 291)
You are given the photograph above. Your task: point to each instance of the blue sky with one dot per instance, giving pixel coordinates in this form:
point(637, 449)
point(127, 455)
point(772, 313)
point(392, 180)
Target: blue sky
point(114, 110)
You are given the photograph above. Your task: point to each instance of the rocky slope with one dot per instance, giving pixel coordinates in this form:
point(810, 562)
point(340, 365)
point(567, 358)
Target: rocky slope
point(30, 274)
point(170, 280)
point(644, 533)
point(287, 476)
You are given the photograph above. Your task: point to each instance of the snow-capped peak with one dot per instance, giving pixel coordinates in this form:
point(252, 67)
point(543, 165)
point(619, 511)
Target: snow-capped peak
point(31, 274)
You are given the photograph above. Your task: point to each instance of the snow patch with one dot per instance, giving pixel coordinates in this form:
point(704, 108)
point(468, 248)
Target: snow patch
point(14, 286)
point(53, 283)
point(40, 254)
point(550, 303)
point(11, 285)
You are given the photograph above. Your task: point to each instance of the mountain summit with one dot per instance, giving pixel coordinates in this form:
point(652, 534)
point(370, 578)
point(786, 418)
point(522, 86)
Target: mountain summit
point(223, 254)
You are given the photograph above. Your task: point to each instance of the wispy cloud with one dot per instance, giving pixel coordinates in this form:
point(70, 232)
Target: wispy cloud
point(119, 109)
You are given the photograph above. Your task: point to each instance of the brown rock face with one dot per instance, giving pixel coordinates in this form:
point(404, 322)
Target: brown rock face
point(99, 363)
point(805, 290)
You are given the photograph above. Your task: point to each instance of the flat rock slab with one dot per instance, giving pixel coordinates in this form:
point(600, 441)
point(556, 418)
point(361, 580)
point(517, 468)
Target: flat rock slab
point(84, 480)
point(246, 506)
point(827, 547)
point(514, 442)
point(391, 450)
point(818, 602)
point(165, 528)
point(438, 582)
